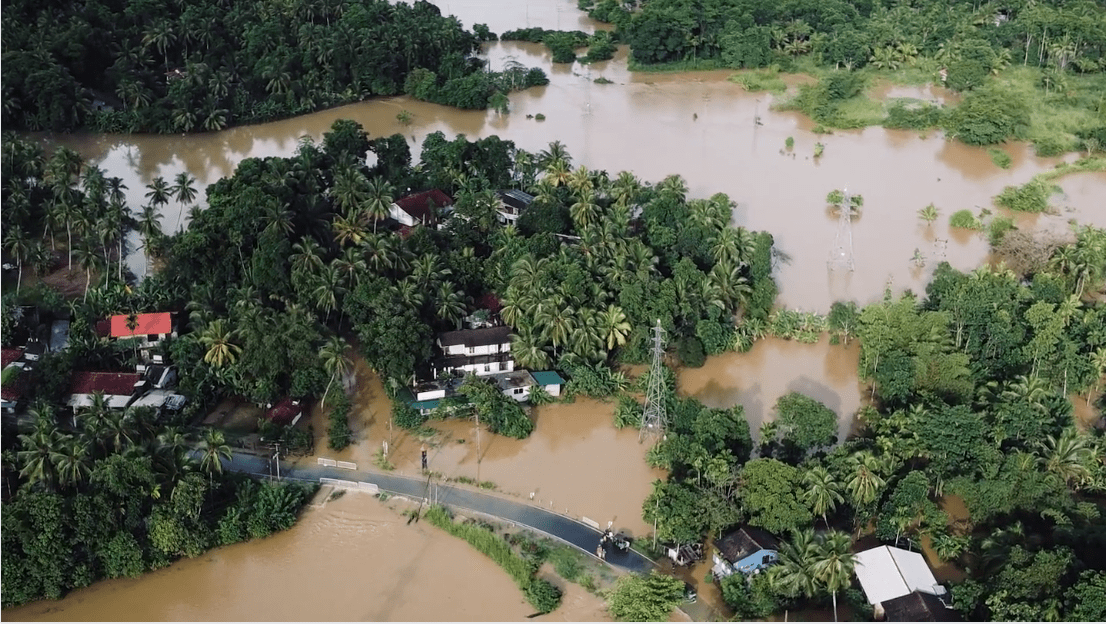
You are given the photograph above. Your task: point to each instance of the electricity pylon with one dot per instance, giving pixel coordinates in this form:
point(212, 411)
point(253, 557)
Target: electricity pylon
point(654, 419)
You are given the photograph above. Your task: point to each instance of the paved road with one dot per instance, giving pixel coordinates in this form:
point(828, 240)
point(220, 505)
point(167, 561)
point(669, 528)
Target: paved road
point(567, 529)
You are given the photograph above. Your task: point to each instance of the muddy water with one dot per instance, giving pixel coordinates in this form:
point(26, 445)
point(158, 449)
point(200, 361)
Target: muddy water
point(574, 462)
point(354, 559)
point(773, 368)
point(699, 125)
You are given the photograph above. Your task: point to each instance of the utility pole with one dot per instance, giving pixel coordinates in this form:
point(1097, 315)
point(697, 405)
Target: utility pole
point(842, 254)
point(477, 446)
point(654, 418)
point(276, 456)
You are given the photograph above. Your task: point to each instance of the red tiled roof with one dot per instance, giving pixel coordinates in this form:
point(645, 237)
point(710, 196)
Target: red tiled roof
point(285, 412)
point(9, 356)
point(156, 323)
point(119, 384)
point(418, 205)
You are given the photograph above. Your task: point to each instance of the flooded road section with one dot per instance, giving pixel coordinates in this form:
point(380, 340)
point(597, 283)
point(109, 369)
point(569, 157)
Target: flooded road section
point(699, 125)
point(354, 559)
point(773, 368)
point(574, 462)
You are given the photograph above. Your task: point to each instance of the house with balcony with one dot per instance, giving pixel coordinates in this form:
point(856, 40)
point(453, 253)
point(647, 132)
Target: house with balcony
point(483, 351)
point(512, 204)
point(420, 208)
point(746, 550)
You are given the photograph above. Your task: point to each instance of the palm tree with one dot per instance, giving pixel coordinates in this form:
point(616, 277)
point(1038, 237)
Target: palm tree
point(149, 226)
point(308, 255)
point(119, 430)
point(585, 211)
point(347, 231)
point(614, 327)
point(450, 302)
point(380, 200)
point(19, 245)
point(833, 563)
point(555, 153)
point(528, 349)
point(159, 192)
point(217, 338)
point(823, 491)
point(557, 320)
point(184, 191)
point(351, 266)
point(88, 259)
point(327, 289)
point(929, 214)
point(214, 449)
point(335, 361)
point(348, 190)
point(37, 455)
point(1069, 458)
point(793, 575)
point(73, 462)
point(866, 483)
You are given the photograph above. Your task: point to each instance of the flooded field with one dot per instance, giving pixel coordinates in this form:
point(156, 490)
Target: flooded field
point(353, 559)
point(773, 368)
point(699, 125)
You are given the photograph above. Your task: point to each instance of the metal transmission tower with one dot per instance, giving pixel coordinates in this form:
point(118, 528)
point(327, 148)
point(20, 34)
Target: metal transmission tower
point(654, 419)
point(842, 254)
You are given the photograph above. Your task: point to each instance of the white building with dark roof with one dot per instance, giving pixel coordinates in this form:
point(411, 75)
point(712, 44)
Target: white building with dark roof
point(484, 351)
point(887, 573)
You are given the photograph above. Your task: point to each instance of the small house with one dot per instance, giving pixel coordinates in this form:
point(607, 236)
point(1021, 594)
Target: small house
point(887, 573)
point(515, 384)
point(149, 329)
point(916, 607)
point(511, 205)
point(746, 550)
point(421, 208)
point(118, 388)
point(550, 381)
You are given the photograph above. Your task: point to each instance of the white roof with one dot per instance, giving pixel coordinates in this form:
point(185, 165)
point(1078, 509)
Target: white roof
point(886, 573)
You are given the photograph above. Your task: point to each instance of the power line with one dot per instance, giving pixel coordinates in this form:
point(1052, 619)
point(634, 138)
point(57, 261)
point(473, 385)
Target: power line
point(654, 419)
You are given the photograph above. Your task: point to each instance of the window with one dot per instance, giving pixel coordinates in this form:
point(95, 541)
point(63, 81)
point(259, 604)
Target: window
point(487, 368)
point(151, 338)
point(767, 559)
point(472, 350)
point(518, 390)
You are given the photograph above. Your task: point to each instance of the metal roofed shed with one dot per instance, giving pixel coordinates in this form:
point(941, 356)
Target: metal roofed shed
point(886, 573)
point(550, 381)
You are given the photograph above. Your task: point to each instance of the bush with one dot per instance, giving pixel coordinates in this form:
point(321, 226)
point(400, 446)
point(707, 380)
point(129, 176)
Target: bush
point(403, 415)
point(988, 116)
point(1030, 197)
point(750, 598)
point(339, 434)
point(966, 220)
point(628, 413)
point(543, 595)
point(901, 116)
point(690, 351)
point(997, 229)
point(1000, 158)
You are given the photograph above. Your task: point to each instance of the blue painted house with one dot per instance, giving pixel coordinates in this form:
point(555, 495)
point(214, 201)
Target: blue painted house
point(746, 550)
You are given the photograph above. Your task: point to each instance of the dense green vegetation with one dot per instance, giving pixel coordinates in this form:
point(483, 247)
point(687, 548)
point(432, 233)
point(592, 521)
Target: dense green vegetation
point(120, 494)
point(159, 66)
point(540, 593)
point(563, 44)
point(1032, 70)
point(645, 598)
point(970, 389)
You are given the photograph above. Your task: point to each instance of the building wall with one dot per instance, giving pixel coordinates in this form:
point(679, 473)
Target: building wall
point(553, 389)
point(524, 395)
point(430, 394)
point(481, 350)
point(398, 214)
point(490, 368)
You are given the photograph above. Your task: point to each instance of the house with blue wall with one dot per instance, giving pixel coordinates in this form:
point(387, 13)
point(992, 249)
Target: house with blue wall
point(745, 550)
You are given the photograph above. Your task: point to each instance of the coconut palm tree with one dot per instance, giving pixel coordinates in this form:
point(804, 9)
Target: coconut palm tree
point(214, 450)
point(308, 255)
point(833, 563)
point(528, 348)
point(614, 327)
point(347, 231)
point(865, 485)
point(158, 191)
point(380, 197)
point(88, 259)
point(335, 361)
point(351, 266)
point(823, 491)
point(119, 430)
point(149, 226)
point(328, 289)
point(793, 575)
point(19, 245)
point(449, 302)
point(37, 454)
point(72, 461)
point(184, 191)
point(585, 211)
point(218, 340)
point(555, 153)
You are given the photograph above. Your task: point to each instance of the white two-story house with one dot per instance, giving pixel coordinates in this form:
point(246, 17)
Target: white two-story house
point(484, 351)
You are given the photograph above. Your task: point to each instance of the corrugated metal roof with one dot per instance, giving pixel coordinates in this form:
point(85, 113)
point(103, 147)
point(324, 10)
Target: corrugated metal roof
point(887, 572)
point(145, 324)
point(548, 378)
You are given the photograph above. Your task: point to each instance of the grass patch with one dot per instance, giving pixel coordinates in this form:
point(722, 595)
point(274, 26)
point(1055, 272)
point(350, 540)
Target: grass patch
point(485, 485)
point(1033, 196)
point(761, 80)
point(1001, 159)
point(568, 563)
point(602, 80)
point(997, 229)
point(541, 594)
point(382, 462)
point(675, 66)
point(335, 495)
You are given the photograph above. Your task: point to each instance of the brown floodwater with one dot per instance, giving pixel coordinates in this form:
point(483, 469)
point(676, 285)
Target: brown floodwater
point(574, 462)
point(773, 368)
point(699, 125)
point(352, 559)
